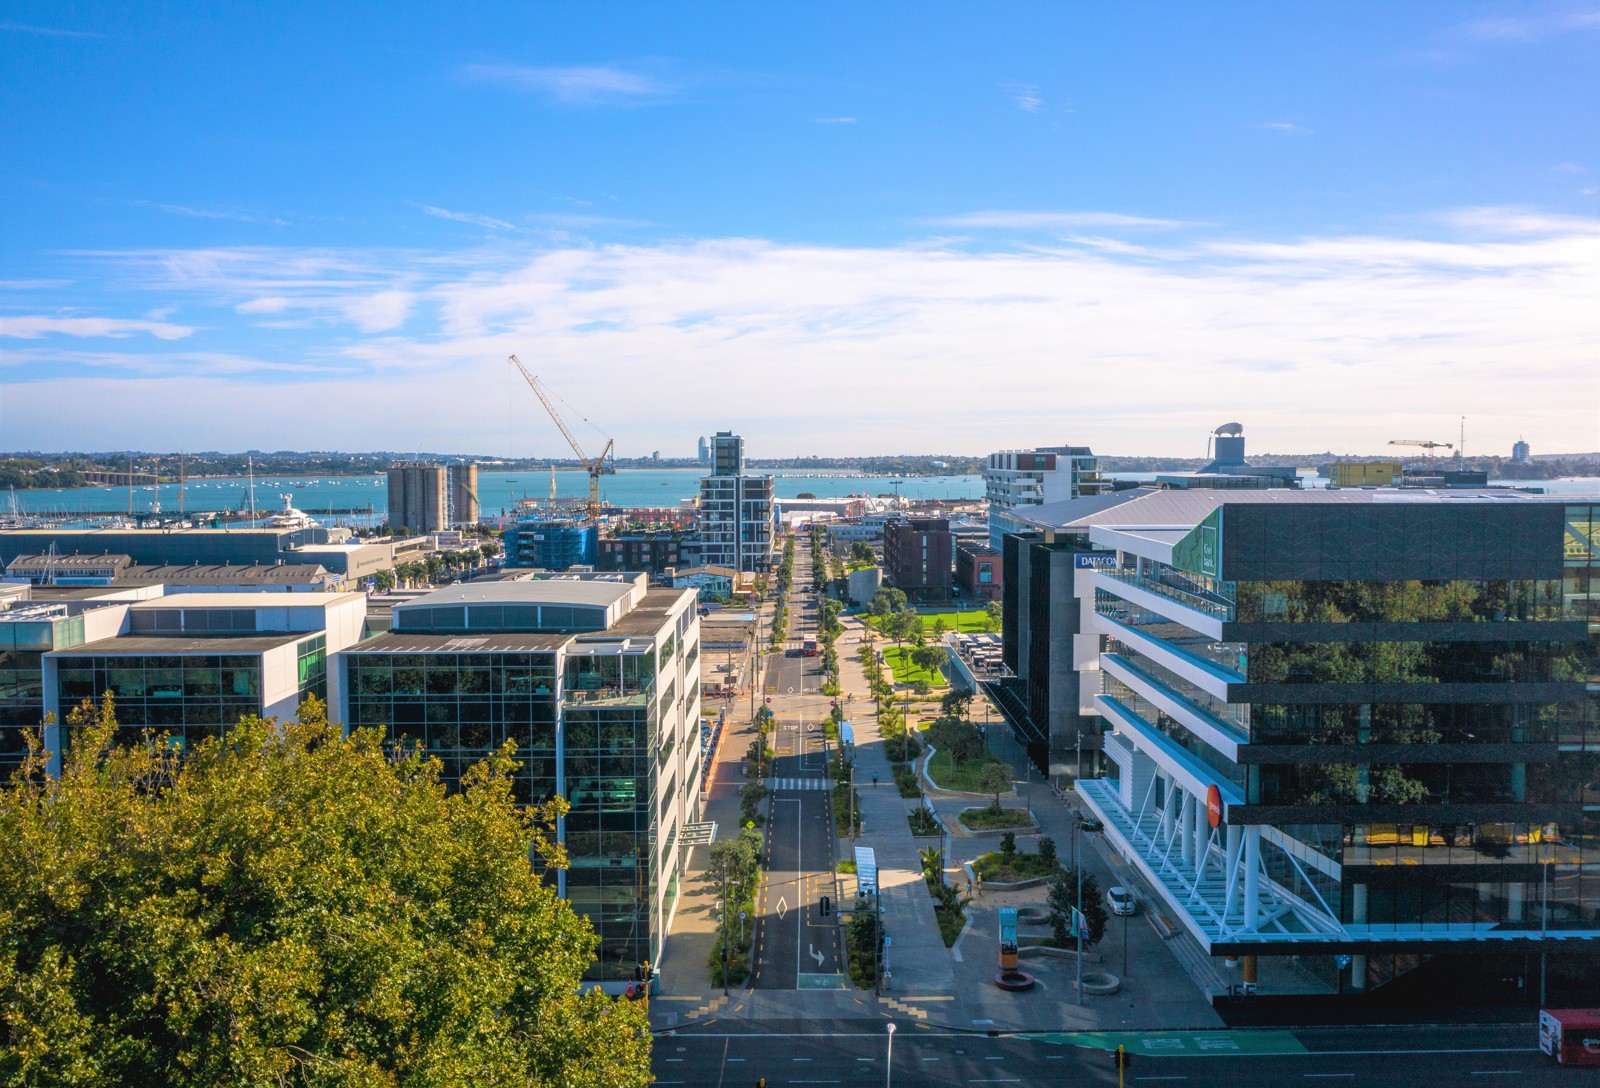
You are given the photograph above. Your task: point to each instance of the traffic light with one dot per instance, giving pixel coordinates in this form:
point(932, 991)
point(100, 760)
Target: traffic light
point(1124, 1059)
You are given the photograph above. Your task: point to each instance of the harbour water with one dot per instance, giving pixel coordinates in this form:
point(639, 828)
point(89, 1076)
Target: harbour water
point(368, 496)
point(362, 500)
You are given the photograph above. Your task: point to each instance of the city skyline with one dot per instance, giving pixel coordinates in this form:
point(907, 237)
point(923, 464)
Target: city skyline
point(834, 229)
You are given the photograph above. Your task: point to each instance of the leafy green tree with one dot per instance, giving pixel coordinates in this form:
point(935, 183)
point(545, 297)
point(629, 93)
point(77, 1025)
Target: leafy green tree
point(995, 778)
point(991, 616)
point(931, 657)
point(385, 580)
point(286, 906)
point(1008, 845)
point(887, 601)
point(861, 552)
point(1047, 850)
point(1064, 896)
point(955, 703)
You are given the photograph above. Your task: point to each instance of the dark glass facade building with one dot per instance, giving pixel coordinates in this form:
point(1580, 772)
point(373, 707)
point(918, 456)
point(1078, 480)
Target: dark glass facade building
point(1355, 730)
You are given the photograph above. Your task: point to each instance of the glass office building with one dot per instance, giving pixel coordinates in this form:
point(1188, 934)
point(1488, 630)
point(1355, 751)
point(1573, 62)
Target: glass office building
point(596, 679)
point(1353, 730)
point(189, 665)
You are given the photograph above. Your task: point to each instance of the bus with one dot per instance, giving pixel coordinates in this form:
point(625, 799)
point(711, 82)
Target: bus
point(808, 648)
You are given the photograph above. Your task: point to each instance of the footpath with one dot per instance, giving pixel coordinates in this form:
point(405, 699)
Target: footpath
point(928, 984)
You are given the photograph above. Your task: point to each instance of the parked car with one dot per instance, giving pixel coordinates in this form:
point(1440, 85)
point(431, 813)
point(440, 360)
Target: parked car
point(1120, 901)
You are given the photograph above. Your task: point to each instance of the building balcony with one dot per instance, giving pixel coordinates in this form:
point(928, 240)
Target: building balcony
point(1195, 605)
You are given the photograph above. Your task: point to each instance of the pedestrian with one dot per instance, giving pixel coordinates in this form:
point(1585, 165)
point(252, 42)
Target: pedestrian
point(874, 778)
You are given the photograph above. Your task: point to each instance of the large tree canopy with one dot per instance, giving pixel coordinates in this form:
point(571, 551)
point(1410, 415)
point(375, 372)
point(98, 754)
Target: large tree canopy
point(289, 907)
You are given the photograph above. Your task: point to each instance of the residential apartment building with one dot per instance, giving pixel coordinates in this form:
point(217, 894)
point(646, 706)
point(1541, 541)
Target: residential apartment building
point(1017, 479)
point(917, 557)
point(596, 678)
point(550, 543)
point(736, 511)
point(1350, 733)
point(650, 550)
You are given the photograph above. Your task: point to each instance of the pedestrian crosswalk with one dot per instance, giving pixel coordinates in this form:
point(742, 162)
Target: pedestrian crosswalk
point(797, 783)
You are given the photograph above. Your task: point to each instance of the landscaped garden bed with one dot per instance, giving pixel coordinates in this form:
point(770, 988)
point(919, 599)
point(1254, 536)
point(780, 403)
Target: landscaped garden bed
point(989, 818)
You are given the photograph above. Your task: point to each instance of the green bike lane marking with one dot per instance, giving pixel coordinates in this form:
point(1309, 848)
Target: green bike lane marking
point(1173, 1044)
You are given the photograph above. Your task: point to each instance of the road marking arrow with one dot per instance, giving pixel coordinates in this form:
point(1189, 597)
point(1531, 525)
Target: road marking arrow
point(783, 905)
point(815, 954)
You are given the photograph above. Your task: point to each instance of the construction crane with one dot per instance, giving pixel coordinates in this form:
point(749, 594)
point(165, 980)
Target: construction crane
point(597, 467)
point(1426, 444)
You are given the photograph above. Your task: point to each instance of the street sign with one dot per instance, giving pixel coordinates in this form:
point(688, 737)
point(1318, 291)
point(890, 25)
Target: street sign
point(1213, 805)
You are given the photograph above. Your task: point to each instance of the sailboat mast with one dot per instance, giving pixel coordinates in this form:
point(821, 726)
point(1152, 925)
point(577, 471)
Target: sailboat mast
point(251, 462)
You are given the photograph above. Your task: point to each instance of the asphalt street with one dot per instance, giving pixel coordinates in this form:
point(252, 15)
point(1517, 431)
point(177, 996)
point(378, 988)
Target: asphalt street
point(852, 1053)
point(795, 945)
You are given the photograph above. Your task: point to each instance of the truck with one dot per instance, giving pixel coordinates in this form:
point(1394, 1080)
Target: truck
point(1570, 1036)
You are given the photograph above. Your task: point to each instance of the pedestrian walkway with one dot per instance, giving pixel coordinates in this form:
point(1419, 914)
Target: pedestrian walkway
point(797, 783)
point(918, 966)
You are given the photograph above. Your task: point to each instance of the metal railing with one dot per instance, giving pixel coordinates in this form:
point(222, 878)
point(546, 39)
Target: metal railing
point(1211, 606)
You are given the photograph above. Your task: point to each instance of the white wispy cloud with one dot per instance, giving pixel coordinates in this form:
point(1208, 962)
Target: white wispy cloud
point(1332, 341)
point(1286, 128)
point(49, 31)
point(836, 120)
point(489, 222)
point(1025, 96)
point(237, 215)
point(1052, 220)
point(580, 85)
point(1528, 28)
point(33, 326)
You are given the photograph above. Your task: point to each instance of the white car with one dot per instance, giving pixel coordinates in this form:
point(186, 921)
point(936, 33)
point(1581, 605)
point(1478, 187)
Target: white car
point(1121, 901)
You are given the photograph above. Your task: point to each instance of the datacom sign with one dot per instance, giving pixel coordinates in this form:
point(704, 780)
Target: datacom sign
point(1094, 561)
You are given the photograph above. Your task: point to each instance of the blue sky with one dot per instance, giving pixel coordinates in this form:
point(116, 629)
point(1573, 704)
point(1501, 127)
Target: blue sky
point(835, 227)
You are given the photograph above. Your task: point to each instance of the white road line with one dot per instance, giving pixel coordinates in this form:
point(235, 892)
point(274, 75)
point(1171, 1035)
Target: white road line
point(1160, 1078)
point(1327, 1074)
point(1497, 1072)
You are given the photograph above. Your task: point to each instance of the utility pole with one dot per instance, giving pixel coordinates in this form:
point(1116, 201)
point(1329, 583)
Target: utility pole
point(1079, 921)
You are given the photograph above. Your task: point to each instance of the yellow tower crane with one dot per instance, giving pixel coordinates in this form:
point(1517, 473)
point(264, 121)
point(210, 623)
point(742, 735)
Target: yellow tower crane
point(596, 467)
point(1427, 444)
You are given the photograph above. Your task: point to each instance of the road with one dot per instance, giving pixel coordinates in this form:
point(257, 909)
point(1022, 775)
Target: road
point(796, 947)
point(850, 1052)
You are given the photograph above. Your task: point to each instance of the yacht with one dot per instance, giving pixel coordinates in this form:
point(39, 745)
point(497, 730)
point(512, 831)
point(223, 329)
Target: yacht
point(289, 517)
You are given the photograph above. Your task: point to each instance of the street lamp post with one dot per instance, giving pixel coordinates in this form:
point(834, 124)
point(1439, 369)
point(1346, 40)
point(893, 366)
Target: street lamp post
point(888, 1064)
point(1079, 921)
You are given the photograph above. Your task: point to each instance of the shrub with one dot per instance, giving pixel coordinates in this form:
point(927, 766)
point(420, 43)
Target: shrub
point(1047, 850)
point(1008, 845)
point(924, 822)
point(906, 779)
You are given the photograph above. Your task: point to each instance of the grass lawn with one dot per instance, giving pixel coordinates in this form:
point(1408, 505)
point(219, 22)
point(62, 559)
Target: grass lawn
point(966, 623)
point(964, 777)
point(898, 658)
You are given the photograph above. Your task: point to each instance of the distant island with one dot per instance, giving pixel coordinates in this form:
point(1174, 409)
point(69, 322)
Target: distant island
point(32, 470)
